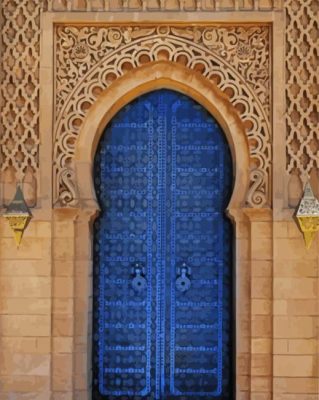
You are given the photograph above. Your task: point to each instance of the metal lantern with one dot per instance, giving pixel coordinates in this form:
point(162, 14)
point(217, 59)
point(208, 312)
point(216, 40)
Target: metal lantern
point(18, 215)
point(308, 215)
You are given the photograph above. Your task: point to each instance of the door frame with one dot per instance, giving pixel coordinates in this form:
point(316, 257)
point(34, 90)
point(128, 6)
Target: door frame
point(72, 226)
point(158, 76)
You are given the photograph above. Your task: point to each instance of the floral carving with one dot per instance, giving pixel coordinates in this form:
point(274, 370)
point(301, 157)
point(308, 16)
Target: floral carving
point(80, 52)
point(236, 58)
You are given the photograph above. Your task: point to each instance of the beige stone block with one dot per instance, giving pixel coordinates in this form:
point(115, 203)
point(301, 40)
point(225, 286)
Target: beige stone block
point(82, 361)
point(280, 346)
point(43, 345)
point(18, 268)
point(280, 229)
point(293, 327)
point(81, 394)
point(242, 230)
point(261, 346)
point(84, 268)
point(242, 247)
point(24, 383)
point(243, 381)
point(293, 249)
point(63, 268)
point(280, 307)
point(30, 248)
point(303, 307)
point(261, 268)
point(261, 248)
point(63, 248)
point(84, 287)
point(297, 396)
point(15, 364)
point(261, 326)
point(63, 325)
point(37, 287)
point(25, 325)
point(261, 307)
point(293, 366)
point(243, 359)
point(261, 288)
point(295, 268)
point(296, 385)
point(84, 248)
point(63, 287)
point(25, 306)
point(261, 384)
point(295, 288)
point(62, 372)
point(62, 344)
point(243, 395)
point(81, 382)
point(63, 306)
point(44, 395)
point(63, 229)
point(303, 346)
point(260, 396)
point(26, 344)
point(81, 323)
point(261, 230)
point(44, 229)
point(261, 365)
point(62, 396)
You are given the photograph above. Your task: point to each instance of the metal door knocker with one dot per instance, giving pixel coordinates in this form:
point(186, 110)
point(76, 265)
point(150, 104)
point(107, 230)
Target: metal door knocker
point(139, 280)
point(183, 282)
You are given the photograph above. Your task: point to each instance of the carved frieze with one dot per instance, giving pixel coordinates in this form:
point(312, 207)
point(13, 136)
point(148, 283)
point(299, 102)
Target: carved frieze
point(90, 58)
point(163, 5)
point(302, 92)
point(19, 78)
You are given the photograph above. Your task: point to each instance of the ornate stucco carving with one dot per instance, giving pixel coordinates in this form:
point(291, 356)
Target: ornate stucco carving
point(19, 138)
point(90, 58)
point(163, 5)
point(302, 90)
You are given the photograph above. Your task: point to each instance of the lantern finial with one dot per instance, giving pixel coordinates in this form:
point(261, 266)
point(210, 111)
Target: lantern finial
point(18, 215)
point(308, 215)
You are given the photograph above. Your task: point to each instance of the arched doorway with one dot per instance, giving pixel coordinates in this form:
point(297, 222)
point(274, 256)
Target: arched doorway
point(162, 253)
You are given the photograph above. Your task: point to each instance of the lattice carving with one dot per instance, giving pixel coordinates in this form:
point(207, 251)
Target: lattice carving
point(302, 90)
point(19, 91)
point(163, 5)
point(89, 59)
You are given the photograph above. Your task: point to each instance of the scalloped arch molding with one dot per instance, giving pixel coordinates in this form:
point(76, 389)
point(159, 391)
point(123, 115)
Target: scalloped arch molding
point(235, 60)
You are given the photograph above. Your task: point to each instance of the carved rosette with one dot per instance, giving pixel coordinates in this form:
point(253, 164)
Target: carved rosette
point(90, 58)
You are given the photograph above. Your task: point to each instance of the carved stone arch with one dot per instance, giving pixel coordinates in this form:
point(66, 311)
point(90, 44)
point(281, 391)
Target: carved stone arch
point(97, 57)
point(150, 77)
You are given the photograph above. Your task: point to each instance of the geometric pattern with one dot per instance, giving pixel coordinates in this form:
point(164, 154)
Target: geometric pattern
point(302, 88)
point(19, 121)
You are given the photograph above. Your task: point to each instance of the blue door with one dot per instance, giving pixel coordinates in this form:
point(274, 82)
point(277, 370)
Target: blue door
point(162, 254)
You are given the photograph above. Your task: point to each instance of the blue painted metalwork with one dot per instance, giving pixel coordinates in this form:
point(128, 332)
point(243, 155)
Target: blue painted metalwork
point(162, 254)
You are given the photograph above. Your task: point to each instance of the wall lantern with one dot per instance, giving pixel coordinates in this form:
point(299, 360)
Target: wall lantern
point(308, 215)
point(18, 215)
